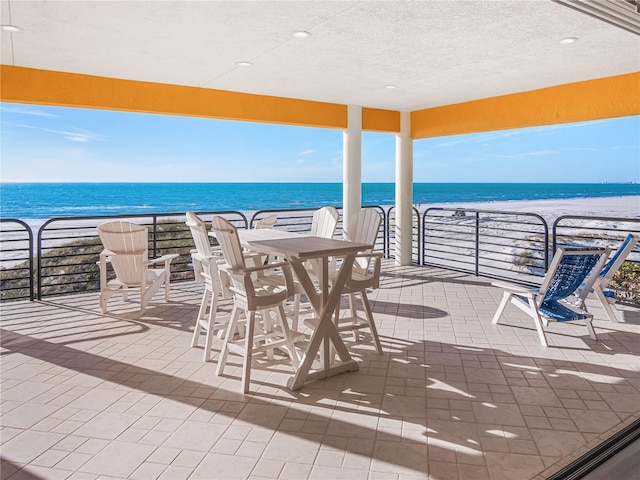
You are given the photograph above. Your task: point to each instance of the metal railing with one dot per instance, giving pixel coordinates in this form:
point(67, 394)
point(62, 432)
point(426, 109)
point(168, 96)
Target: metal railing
point(69, 247)
point(586, 231)
point(16, 260)
point(493, 243)
point(415, 235)
point(514, 246)
point(300, 220)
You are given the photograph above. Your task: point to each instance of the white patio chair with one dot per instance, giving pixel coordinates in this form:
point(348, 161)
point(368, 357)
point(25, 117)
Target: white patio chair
point(569, 268)
point(267, 222)
point(205, 267)
point(599, 288)
point(323, 224)
point(365, 275)
point(126, 249)
point(255, 289)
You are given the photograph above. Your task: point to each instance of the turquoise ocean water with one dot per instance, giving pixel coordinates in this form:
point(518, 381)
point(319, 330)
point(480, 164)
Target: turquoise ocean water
point(46, 200)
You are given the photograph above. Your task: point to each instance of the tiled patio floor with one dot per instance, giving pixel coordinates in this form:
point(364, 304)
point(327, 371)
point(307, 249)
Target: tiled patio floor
point(92, 396)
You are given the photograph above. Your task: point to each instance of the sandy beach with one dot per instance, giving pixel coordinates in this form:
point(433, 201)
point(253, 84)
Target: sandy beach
point(626, 207)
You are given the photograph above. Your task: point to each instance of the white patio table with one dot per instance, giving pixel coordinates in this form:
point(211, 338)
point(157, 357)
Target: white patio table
point(297, 248)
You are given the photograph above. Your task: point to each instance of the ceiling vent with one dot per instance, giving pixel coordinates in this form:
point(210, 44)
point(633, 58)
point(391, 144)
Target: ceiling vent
point(621, 13)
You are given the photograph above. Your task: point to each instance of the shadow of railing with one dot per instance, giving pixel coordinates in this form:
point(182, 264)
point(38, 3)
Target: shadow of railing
point(424, 406)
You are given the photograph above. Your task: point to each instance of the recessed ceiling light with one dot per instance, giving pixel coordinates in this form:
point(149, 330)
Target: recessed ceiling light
point(568, 40)
point(244, 64)
point(301, 34)
point(11, 28)
point(390, 87)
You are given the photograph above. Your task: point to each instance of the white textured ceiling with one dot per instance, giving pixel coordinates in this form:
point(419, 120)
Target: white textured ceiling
point(436, 52)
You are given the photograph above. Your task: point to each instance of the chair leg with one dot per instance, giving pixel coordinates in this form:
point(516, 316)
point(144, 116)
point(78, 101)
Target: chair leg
point(590, 329)
point(235, 314)
point(288, 338)
point(538, 321)
point(372, 323)
point(211, 321)
point(248, 351)
point(354, 315)
point(608, 308)
point(267, 327)
point(201, 313)
point(103, 301)
point(503, 303)
point(167, 285)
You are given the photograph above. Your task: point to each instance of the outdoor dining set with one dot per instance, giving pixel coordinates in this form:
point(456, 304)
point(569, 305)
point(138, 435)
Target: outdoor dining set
point(279, 281)
point(274, 278)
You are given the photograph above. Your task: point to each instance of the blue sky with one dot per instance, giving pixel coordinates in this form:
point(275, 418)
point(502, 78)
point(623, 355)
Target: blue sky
point(56, 144)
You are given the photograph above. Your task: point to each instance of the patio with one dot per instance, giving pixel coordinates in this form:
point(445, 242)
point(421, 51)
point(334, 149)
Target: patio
point(92, 396)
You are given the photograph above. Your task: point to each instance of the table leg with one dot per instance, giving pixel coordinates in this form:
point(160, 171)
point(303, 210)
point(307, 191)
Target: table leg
point(324, 303)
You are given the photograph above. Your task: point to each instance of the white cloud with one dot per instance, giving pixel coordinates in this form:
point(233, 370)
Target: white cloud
point(526, 154)
point(78, 135)
point(26, 111)
point(306, 152)
point(480, 138)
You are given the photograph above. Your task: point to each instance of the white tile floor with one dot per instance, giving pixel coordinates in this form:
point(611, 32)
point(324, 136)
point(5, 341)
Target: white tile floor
point(92, 396)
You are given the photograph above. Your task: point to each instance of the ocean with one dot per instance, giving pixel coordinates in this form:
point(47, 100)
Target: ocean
point(47, 200)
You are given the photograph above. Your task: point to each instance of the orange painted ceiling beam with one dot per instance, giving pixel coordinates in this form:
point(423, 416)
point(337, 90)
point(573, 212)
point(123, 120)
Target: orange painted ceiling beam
point(609, 97)
point(582, 101)
point(45, 87)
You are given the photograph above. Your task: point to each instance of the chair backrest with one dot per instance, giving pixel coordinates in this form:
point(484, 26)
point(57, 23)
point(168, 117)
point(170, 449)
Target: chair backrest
point(568, 271)
point(364, 229)
point(204, 259)
point(365, 226)
point(325, 221)
point(199, 234)
point(267, 222)
point(616, 261)
point(229, 241)
point(129, 244)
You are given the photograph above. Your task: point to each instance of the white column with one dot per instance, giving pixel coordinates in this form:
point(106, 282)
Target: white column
point(352, 166)
point(404, 191)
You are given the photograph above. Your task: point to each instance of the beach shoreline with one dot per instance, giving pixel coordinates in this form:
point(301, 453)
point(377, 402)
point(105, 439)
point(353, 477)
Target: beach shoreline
point(549, 209)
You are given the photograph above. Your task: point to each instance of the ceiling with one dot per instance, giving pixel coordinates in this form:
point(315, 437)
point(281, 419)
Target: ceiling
point(435, 52)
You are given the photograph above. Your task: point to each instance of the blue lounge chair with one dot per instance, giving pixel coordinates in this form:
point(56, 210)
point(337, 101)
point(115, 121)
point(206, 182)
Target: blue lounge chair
point(599, 288)
point(569, 268)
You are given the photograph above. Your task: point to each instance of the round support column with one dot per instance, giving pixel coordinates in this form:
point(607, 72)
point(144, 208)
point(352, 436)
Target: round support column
point(352, 167)
point(404, 191)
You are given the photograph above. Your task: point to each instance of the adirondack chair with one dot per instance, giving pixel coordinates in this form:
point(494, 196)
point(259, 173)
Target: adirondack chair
point(267, 222)
point(256, 290)
point(569, 268)
point(126, 249)
point(205, 266)
point(599, 288)
point(365, 275)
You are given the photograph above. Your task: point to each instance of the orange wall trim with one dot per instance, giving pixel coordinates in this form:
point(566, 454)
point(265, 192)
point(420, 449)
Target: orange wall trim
point(609, 97)
point(44, 87)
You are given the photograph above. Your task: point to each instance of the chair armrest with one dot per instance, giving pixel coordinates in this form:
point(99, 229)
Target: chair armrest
point(250, 270)
point(517, 289)
point(370, 254)
point(246, 272)
point(166, 259)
